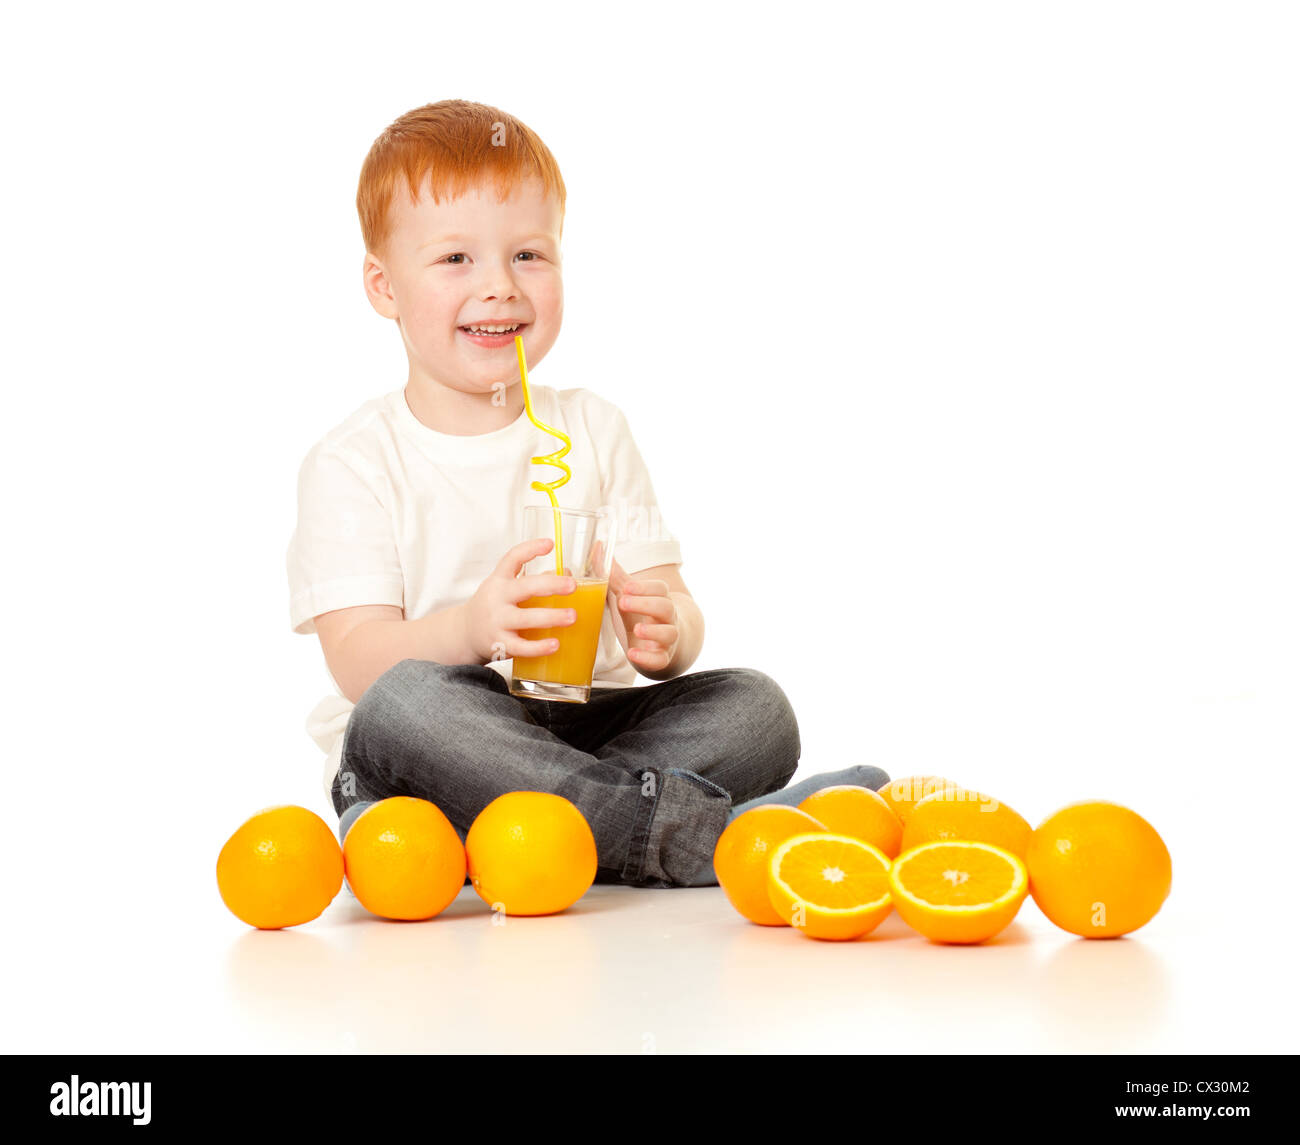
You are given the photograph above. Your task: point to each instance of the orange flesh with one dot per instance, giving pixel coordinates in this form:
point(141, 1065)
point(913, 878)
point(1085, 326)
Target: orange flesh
point(834, 875)
point(957, 876)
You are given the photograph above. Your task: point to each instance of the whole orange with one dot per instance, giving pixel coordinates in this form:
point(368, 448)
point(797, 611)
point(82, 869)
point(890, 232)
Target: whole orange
point(904, 794)
point(847, 809)
point(955, 813)
point(1098, 869)
point(404, 859)
point(281, 868)
point(530, 853)
point(741, 856)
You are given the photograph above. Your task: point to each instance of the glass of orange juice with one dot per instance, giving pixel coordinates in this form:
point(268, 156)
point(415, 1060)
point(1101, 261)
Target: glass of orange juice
point(588, 551)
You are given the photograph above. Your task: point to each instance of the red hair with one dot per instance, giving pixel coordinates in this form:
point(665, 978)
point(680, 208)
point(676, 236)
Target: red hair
point(453, 145)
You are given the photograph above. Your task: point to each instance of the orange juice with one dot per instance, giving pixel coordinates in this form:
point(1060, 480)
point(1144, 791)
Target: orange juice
point(572, 663)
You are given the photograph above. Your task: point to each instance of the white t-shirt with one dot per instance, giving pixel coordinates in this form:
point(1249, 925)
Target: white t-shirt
point(393, 512)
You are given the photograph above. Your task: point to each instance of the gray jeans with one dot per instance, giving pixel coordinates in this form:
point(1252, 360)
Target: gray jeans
point(654, 769)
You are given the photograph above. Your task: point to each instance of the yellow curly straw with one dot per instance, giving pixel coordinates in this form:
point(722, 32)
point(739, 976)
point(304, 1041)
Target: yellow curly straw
point(548, 488)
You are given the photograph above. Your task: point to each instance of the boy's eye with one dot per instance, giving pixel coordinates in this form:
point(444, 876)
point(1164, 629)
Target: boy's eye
point(524, 254)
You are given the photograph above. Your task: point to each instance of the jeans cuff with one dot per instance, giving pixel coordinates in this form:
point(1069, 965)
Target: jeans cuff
point(690, 813)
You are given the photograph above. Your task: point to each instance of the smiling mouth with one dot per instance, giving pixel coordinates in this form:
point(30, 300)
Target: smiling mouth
point(493, 330)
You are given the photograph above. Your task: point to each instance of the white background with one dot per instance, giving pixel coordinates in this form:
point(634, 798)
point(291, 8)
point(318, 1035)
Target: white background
point(960, 340)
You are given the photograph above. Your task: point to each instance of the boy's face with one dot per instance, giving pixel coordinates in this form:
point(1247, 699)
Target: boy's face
point(468, 261)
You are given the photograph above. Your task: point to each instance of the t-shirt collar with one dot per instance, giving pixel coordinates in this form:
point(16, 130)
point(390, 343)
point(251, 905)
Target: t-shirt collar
point(504, 442)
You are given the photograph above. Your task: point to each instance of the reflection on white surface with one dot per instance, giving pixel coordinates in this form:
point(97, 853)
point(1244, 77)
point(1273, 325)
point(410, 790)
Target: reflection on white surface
point(640, 971)
point(458, 982)
point(1103, 995)
point(632, 971)
point(281, 983)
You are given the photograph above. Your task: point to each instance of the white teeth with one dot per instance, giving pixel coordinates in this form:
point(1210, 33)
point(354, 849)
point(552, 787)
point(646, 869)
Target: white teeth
point(492, 329)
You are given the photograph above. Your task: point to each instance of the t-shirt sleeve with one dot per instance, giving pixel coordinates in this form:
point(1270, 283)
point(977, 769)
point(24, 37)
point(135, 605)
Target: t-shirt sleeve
point(643, 539)
point(343, 551)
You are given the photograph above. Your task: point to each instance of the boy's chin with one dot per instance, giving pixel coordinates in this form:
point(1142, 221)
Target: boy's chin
point(474, 384)
point(497, 388)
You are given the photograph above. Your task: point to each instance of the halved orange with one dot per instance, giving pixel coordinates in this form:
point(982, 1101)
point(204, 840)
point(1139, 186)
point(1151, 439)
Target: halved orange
point(829, 886)
point(958, 891)
point(742, 852)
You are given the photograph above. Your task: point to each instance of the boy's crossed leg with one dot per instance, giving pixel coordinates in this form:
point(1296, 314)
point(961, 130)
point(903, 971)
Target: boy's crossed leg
point(658, 771)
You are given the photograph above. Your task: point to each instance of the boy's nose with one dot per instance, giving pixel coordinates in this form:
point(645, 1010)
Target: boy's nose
point(498, 285)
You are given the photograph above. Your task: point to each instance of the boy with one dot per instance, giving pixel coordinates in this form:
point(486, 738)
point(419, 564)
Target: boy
point(406, 556)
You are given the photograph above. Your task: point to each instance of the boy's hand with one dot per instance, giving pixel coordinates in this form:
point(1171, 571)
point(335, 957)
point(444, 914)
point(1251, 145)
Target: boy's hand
point(493, 617)
point(647, 615)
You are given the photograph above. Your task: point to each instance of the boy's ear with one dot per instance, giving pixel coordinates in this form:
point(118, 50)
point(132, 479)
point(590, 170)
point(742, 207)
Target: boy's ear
point(378, 290)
